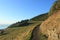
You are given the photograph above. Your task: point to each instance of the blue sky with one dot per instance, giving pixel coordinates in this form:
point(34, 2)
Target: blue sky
point(15, 10)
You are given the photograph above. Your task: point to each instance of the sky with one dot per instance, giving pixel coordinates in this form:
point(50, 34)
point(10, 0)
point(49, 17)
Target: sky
point(16, 10)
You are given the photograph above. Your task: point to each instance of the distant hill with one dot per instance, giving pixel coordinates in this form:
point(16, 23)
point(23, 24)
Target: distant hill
point(20, 23)
point(40, 17)
point(27, 22)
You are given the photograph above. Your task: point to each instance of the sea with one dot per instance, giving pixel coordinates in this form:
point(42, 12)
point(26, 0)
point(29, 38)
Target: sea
point(3, 26)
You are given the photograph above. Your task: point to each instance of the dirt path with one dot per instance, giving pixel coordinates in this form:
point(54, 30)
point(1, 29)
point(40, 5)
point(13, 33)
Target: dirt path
point(35, 33)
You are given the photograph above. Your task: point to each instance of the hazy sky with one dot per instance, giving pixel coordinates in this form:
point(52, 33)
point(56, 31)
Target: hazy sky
point(16, 10)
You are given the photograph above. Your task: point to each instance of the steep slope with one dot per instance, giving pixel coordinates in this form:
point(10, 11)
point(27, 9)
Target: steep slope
point(51, 27)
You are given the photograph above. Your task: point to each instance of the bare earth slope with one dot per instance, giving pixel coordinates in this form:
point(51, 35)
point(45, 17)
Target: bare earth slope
point(51, 27)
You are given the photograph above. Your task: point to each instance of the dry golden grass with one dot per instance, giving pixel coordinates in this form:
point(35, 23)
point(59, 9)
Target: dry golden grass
point(19, 33)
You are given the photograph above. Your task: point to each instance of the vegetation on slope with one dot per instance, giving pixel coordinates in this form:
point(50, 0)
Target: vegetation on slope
point(20, 23)
point(19, 33)
point(55, 7)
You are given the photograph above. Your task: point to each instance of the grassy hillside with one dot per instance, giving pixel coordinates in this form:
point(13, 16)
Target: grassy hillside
point(25, 29)
point(19, 33)
point(41, 17)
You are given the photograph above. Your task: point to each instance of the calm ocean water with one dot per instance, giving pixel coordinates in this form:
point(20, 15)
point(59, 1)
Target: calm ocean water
point(3, 26)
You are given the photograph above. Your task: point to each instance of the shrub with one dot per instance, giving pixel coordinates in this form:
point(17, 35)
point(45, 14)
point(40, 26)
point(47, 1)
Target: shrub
point(21, 23)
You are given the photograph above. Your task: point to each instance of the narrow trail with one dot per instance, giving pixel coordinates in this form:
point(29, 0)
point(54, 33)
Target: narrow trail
point(35, 33)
